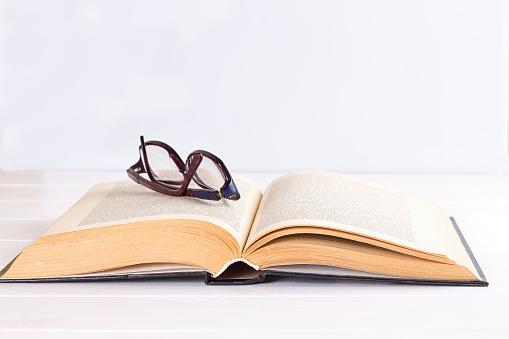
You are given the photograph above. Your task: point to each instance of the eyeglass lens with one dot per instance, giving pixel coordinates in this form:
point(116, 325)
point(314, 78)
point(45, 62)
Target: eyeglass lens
point(209, 174)
point(162, 165)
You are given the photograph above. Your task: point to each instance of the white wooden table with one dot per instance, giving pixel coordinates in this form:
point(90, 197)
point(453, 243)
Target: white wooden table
point(186, 308)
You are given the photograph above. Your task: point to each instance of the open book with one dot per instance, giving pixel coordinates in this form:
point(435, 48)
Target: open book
point(311, 223)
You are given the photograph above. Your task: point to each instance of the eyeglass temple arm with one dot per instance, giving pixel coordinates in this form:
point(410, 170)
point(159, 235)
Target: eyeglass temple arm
point(230, 191)
point(134, 173)
point(134, 170)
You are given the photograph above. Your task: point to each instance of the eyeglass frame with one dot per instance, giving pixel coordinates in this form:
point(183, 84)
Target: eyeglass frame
point(188, 170)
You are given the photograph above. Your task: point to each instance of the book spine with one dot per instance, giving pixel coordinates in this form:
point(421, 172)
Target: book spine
point(229, 263)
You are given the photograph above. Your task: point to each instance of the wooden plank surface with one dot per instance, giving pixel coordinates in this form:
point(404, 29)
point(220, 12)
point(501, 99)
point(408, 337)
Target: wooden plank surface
point(186, 308)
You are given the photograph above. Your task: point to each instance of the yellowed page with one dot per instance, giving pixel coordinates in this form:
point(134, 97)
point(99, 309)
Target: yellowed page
point(342, 202)
point(125, 201)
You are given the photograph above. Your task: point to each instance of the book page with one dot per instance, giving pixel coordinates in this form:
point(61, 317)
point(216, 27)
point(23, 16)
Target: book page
point(125, 201)
point(346, 203)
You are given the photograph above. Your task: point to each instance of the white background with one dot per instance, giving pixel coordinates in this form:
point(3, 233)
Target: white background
point(352, 86)
point(356, 86)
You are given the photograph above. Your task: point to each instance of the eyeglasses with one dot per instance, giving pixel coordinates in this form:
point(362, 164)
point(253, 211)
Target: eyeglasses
point(168, 174)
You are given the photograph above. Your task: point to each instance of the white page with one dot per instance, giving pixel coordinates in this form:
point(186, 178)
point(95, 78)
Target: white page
point(125, 201)
point(350, 204)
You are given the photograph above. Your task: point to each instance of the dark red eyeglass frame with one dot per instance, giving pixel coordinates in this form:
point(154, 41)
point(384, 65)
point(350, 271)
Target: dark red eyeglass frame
point(188, 169)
